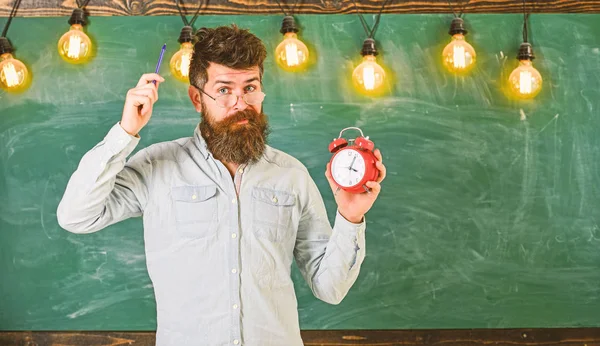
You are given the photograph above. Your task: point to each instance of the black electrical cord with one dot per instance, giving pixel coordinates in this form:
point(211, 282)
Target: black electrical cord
point(463, 6)
point(283, 10)
point(184, 18)
point(82, 5)
point(370, 33)
point(525, 19)
point(13, 12)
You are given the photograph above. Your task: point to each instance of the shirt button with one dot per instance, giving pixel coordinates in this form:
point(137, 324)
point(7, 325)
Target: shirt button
point(233, 235)
point(234, 270)
point(233, 201)
point(274, 199)
point(194, 196)
point(235, 306)
point(241, 170)
point(236, 341)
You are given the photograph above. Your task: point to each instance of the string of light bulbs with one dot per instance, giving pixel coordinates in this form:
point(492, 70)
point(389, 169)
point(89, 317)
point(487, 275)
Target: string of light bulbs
point(291, 54)
point(180, 62)
point(14, 76)
point(458, 57)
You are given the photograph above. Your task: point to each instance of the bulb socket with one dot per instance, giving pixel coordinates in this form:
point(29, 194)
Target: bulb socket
point(78, 17)
point(186, 35)
point(288, 25)
point(5, 46)
point(368, 47)
point(457, 27)
point(525, 52)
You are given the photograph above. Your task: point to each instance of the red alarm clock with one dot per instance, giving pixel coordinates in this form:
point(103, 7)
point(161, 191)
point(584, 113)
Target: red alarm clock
point(353, 165)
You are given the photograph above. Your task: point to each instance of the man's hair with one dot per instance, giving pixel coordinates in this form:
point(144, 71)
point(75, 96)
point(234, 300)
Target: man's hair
point(228, 46)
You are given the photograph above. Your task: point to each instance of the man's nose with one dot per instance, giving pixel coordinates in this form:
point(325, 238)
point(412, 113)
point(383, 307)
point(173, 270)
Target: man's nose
point(240, 104)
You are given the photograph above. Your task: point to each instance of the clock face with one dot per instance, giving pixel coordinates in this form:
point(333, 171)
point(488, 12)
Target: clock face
point(348, 167)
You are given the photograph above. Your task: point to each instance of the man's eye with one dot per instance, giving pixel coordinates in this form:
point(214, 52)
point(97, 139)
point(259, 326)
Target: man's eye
point(250, 88)
point(223, 91)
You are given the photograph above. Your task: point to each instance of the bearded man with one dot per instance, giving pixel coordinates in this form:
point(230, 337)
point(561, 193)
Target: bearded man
point(224, 214)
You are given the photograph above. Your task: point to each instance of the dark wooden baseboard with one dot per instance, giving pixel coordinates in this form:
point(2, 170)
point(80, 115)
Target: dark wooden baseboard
point(445, 337)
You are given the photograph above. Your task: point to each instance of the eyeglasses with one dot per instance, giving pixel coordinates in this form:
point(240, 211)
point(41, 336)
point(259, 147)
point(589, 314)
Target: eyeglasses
point(229, 100)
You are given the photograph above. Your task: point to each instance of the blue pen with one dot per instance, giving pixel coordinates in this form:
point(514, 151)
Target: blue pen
point(160, 58)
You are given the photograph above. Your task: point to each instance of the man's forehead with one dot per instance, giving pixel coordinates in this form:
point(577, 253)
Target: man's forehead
point(219, 72)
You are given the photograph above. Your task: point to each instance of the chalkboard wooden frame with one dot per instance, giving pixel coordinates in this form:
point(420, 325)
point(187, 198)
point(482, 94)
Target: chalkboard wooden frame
point(446, 337)
point(542, 336)
point(53, 8)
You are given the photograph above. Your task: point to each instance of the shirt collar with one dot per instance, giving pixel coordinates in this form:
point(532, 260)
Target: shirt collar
point(201, 143)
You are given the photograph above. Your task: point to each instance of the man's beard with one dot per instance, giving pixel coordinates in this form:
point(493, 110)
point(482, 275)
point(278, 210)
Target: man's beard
point(236, 143)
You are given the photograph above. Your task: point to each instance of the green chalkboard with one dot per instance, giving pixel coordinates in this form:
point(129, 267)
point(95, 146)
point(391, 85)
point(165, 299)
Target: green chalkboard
point(489, 216)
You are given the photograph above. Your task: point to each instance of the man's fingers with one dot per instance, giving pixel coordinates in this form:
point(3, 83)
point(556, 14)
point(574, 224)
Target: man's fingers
point(149, 93)
point(150, 86)
point(377, 153)
point(141, 100)
point(149, 77)
point(374, 186)
point(142, 104)
point(332, 183)
point(382, 171)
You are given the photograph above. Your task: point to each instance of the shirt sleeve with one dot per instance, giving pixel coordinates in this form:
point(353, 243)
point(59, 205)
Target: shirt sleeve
point(104, 189)
point(329, 259)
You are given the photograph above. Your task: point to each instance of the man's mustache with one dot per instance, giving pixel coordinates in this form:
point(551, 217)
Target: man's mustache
point(247, 114)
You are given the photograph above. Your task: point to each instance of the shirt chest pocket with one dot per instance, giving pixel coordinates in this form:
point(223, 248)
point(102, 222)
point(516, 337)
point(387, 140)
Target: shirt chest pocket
point(272, 214)
point(196, 210)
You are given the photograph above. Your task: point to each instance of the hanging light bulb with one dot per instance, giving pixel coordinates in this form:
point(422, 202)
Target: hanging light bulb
point(75, 46)
point(369, 76)
point(525, 82)
point(180, 62)
point(458, 56)
point(291, 54)
point(14, 76)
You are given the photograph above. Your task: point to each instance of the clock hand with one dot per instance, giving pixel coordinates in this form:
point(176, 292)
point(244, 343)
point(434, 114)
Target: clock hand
point(350, 167)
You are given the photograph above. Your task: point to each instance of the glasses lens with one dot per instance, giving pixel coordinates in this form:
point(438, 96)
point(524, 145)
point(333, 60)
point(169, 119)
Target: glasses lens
point(254, 98)
point(226, 101)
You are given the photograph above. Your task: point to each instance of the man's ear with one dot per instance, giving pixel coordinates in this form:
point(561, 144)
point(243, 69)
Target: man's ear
point(195, 97)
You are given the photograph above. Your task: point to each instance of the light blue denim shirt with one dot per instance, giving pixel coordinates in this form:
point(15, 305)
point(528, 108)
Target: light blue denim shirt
point(218, 250)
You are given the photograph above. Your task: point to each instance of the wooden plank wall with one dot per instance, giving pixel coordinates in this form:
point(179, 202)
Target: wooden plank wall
point(52, 8)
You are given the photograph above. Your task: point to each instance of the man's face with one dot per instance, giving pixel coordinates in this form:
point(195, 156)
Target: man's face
point(238, 132)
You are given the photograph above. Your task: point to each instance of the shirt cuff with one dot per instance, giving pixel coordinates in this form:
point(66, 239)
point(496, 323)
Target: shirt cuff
point(119, 140)
point(346, 227)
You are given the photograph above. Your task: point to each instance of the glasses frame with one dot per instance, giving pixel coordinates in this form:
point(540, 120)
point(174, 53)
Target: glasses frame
point(236, 97)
